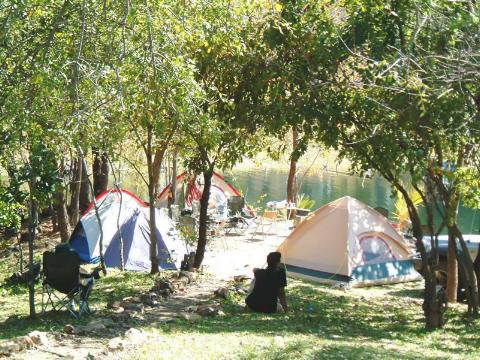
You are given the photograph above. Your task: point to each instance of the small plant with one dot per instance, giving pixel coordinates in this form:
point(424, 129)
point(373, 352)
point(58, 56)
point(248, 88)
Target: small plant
point(305, 202)
point(401, 211)
point(188, 235)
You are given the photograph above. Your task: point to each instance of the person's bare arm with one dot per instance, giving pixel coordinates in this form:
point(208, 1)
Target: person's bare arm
point(283, 299)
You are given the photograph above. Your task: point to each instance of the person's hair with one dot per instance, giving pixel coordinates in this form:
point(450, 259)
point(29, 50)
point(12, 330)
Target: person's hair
point(273, 259)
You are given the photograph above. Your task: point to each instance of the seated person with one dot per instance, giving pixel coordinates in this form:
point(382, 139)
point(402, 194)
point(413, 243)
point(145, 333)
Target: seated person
point(269, 287)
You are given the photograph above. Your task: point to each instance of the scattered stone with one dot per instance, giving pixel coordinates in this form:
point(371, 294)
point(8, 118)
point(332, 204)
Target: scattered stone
point(116, 305)
point(69, 329)
point(116, 344)
point(8, 347)
point(92, 327)
point(190, 275)
point(221, 313)
point(119, 310)
point(240, 278)
point(24, 342)
point(136, 299)
point(163, 284)
point(135, 336)
point(39, 338)
point(191, 308)
point(279, 341)
point(207, 311)
point(135, 307)
point(190, 317)
point(222, 292)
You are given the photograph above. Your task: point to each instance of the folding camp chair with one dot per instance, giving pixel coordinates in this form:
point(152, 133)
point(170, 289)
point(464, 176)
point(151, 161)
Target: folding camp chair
point(236, 222)
point(61, 273)
point(266, 222)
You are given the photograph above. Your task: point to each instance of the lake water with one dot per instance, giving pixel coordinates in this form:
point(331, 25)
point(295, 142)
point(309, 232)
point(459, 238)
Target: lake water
point(261, 186)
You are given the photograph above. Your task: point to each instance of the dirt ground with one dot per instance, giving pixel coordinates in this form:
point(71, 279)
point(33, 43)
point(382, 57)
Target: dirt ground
point(232, 253)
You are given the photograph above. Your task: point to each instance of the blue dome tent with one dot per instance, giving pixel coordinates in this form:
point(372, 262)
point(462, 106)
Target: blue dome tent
point(125, 217)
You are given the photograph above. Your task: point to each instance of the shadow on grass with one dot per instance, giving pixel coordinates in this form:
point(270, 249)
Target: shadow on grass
point(343, 350)
point(105, 292)
point(341, 320)
point(409, 293)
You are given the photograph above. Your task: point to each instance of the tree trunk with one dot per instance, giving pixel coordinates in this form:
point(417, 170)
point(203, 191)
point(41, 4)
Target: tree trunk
point(60, 207)
point(292, 174)
point(202, 227)
point(61, 211)
point(157, 167)
point(452, 269)
point(153, 230)
point(84, 199)
point(54, 217)
point(470, 278)
point(75, 196)
point(434, 301)
point(100, 171)
point(173, 199)
point(32, 230)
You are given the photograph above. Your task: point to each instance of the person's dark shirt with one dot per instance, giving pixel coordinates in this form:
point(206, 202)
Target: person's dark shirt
point(264, 296)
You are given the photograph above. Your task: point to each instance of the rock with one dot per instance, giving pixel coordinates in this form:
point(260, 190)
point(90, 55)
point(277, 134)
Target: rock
point(69, 329)
point(135, 336)
point(221, 313)
point(115, 344)
point(222, 292)
point(207, 311)
point(92, 327)
point(149, 299)
point(116, 305)
point(39, 337)
point(119, 310)
point(190, 275)
point(190, 317)
point(135, 307)
point(279, 341)
point(8, 347)
point(191, 308)
point(240, 278)
point(163, 284)
point(136, 299)
point(24, 342)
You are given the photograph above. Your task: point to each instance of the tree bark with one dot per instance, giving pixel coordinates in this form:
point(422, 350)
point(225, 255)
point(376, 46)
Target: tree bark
point(292, 174)
point(60, 208)
point(452, 269)
point(434, 302)
point(75, 196)
point(173, 199)
point(32, 231)
point(84, 199)
point(54, 217)
point(157, 167)
point(61, 211)
point(202, 228)
point(100, 170)
point(470, 278)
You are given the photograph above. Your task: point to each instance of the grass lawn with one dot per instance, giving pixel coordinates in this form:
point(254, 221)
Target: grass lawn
point(379, 322)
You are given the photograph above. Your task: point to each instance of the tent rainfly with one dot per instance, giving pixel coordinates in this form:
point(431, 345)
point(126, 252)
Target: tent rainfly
point(124, 216)
point(346, 241)
point(220, 190)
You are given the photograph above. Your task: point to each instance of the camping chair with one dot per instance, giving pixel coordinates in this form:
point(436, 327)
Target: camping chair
point(61, 273)
point(266, 222)
point(236, 222)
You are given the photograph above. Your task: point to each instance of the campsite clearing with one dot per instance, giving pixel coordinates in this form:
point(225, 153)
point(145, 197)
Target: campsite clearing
point(377, 322)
